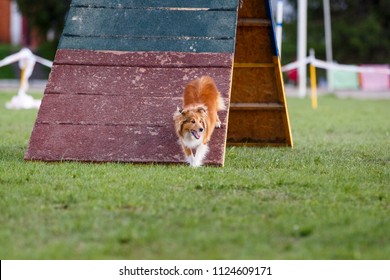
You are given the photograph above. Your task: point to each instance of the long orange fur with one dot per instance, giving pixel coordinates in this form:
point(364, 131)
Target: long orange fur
point(201, 102)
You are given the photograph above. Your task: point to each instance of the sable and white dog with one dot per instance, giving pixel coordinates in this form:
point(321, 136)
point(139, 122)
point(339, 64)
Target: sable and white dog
point(195, 123)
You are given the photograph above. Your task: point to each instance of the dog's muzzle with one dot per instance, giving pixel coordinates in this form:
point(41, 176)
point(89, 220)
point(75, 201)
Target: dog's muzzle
point(195, 133)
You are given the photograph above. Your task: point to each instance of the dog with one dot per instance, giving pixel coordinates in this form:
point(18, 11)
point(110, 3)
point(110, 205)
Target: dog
point(195, 122)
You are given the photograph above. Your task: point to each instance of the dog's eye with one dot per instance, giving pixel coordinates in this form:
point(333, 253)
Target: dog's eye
point(193, 121)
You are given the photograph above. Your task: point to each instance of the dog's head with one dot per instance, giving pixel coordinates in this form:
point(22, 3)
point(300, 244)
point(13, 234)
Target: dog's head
point(191, 122)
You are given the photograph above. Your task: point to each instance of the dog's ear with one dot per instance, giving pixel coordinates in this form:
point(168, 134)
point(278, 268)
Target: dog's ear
point(179, 110)
point(202, 109)
point(179, 118)
point(177, 113)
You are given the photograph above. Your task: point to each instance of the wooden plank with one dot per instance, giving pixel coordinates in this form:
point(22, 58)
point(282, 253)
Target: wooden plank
point(253, 45)
point(254, 22)
point(109, 110)
point(253, 65)
point(103, 143)
point(174, 44)
point(126, 4)
point(144, 59)
point(256, 85)
point(106, 110)
point(135, 81)
point(258, 144)
point(112, 23)
point(256, 106)
point(253, 9)
point(256, 127)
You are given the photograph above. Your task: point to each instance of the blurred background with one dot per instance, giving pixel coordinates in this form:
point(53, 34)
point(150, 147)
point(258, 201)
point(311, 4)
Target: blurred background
point(35, 24)
point(360, 30)
point(359, 34)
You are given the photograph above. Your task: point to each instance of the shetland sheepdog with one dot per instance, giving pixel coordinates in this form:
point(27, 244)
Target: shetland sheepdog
point(195, 122)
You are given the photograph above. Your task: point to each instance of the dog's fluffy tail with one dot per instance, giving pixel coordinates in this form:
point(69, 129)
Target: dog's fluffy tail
point(207, 83)
point(221, 104)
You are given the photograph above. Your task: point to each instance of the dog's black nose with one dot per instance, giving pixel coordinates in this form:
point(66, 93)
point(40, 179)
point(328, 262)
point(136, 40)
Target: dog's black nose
point(200, 129)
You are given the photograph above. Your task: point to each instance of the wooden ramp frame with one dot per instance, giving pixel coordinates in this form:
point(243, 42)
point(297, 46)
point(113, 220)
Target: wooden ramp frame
point(119, 73)
point(258, 111)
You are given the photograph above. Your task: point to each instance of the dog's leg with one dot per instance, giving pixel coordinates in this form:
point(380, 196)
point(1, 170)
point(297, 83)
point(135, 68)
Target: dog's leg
point(218, 123)
point(188, 154)
point(200, 155)
point(190, 160)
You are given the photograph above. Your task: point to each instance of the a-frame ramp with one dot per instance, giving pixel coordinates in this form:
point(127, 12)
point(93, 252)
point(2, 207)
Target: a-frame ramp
point(119, 74)
point(258, 111)
point(121, 67)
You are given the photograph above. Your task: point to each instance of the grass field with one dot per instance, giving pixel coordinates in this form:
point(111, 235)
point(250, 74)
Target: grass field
point(327, 198)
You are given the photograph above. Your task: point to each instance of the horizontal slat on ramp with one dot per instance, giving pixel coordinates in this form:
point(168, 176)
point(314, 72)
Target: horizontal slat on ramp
point(118, 143)
point(110, 110)
point(256, 106)
point(175, 44)
point(144, 59)
point(254, 22)
point(137, 81)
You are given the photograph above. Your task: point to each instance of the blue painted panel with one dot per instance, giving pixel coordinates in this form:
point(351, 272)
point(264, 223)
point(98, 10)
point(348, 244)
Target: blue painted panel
point(272, 34)
point(147, 44)
point(155, 23)
point(188, 30)
point(137, 4)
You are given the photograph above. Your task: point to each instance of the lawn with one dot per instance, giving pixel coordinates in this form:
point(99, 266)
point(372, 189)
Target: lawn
point(327, 198)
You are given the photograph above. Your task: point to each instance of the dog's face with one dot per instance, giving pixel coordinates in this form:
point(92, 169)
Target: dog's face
point(190, 123)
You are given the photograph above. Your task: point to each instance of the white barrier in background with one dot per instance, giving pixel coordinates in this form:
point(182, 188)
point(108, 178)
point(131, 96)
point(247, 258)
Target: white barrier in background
point(334, 66)
point(27, 62)
point(329, 66)
point(279, 25)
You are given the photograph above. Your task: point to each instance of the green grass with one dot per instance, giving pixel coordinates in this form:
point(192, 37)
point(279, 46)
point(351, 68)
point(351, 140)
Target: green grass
point(327, 198)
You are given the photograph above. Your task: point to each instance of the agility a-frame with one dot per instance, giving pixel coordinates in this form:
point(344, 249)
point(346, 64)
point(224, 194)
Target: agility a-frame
point(120, 70)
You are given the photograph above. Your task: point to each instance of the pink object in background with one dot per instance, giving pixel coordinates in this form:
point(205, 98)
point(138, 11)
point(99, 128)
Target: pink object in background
point(375, 81)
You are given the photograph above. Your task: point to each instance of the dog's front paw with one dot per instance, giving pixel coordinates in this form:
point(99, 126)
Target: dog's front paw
point(218, 124)
point(196, 163)
point(190, 160)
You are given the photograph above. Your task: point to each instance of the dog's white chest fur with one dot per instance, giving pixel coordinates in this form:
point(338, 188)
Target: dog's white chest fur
point(201, 149)
point(190, 141)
